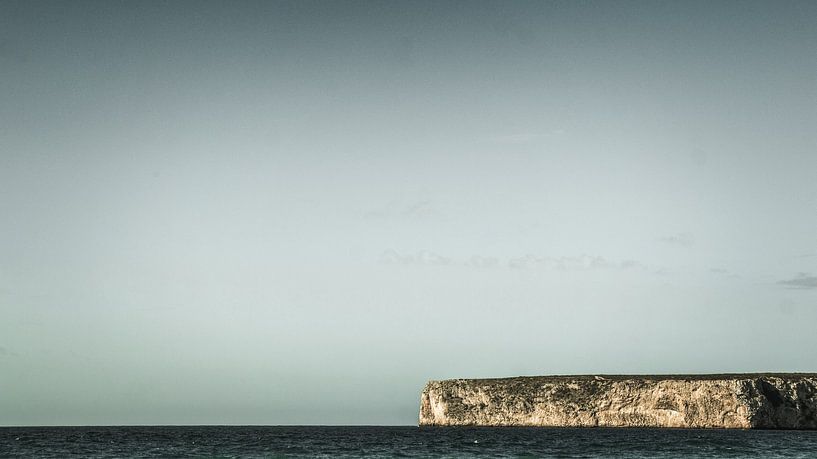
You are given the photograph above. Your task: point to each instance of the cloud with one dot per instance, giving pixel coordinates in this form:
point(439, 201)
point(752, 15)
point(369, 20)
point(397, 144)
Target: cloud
point(422, 209)
point(802, 281)
point(631, 264)
point(571, 263)
point(424, 257)
point(680, 240)
point(478, 261)
point(526, 262)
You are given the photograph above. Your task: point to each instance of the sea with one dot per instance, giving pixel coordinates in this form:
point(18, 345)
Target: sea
point(409, 441)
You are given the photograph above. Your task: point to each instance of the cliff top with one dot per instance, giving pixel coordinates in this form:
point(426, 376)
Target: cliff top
point(681, 377)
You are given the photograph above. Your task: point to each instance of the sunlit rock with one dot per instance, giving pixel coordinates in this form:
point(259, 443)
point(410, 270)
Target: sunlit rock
point(737, 401)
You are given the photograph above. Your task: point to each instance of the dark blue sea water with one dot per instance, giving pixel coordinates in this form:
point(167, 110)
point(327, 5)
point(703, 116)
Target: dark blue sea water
point(254, 441)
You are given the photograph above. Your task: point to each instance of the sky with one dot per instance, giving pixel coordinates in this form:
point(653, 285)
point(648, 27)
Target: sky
point(299, 212)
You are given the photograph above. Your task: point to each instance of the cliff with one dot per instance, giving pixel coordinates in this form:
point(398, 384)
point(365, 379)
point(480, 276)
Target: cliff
point(739, 401)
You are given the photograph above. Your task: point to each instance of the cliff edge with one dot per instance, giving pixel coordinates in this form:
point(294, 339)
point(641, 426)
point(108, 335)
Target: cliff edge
point(734, 401)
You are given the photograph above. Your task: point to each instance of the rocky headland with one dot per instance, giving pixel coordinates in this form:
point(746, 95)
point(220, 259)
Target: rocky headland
point(735, 401)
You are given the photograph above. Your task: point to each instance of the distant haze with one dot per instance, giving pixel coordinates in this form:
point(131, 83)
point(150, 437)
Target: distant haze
point(298, 212)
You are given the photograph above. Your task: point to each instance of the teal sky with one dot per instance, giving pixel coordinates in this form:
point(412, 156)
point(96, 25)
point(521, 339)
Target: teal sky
point(297, 213)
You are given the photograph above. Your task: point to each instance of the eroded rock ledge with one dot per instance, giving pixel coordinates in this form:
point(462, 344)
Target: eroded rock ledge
point(739, 401)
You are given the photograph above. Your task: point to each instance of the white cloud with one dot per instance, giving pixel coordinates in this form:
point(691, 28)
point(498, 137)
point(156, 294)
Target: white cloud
point(681, 239)
point(571, 263)
point(526, 262)
point(424, 257)
point(478, 261)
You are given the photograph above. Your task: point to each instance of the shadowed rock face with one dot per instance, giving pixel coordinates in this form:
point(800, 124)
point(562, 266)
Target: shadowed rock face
point(739, 401)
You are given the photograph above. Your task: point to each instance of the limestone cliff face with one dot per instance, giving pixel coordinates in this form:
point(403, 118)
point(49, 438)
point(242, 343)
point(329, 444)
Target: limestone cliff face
point(741, 401)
